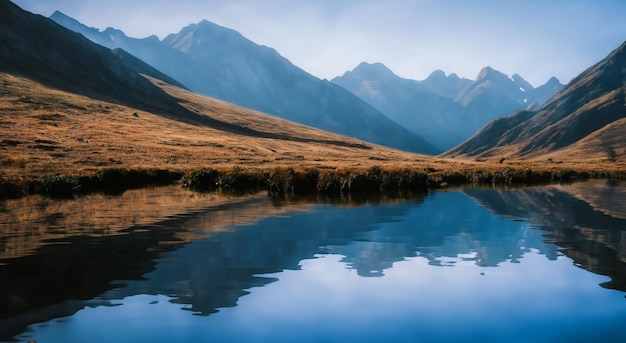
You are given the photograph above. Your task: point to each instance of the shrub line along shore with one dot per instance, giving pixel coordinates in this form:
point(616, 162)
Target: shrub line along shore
point(289, 181)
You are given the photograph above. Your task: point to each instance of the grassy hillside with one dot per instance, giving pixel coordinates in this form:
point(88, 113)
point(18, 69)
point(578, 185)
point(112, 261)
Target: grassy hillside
point(46, 132)
point(50, 131)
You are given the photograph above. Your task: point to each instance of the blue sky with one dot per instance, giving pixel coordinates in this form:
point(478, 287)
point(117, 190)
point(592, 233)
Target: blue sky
point(534, 38)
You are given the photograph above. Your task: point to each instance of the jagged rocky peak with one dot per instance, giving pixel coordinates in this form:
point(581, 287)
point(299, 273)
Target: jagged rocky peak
point(521, 83)
point(490, 73)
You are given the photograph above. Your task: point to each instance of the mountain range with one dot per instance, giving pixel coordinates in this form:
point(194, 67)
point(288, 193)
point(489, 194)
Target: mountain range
point(435, 114)
point(586, 120)
point(69, 106)
point(445, 110)
point(57, 83)
point(221, 63)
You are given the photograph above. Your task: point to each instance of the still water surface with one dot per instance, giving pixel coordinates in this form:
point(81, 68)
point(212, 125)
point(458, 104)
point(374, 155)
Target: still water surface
point(541, 264)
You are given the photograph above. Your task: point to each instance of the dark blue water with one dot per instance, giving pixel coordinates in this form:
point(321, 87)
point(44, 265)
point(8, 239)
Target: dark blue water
point(543, 264)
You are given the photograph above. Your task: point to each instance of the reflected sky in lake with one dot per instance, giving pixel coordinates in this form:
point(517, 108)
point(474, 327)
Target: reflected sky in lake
point(468, 265)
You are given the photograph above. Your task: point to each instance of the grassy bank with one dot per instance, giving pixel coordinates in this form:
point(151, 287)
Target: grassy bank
point(108, 181)
point(290, 181)
point(377, 179)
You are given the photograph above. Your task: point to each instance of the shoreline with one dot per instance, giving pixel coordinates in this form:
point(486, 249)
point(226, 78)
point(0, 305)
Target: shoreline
point(279, 181)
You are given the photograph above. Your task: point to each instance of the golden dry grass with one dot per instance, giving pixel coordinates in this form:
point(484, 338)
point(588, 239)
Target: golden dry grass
point(45, 132)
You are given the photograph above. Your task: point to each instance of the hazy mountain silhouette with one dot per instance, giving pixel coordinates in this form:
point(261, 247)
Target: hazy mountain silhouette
point(221, 63)
point(447, 86)
point(493, 94)
point(445, 110)
point(586, 118)
point(149, 50)
point(436, 118)
point(543, 93)
point(37, 48)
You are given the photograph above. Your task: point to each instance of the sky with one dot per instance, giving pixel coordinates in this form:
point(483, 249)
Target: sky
point(536, 39)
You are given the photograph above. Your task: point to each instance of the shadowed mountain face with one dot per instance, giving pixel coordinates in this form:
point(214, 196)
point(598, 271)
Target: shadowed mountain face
point(591, 109)
point(221, 63)
point(445, 110)
point(37, 48)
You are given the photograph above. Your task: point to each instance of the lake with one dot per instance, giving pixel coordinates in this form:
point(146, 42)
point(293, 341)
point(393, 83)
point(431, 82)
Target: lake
point(536, 264)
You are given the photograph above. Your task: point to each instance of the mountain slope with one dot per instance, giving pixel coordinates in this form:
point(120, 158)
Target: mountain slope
point(593, 101)
point(149, 50)
point(35, 47)
point(221, 63)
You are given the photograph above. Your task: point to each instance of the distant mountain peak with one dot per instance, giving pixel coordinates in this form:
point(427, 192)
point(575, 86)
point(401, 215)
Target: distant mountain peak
point(440, 76)
point(204, 34)
point(521, 83)
point(553, 80)
point(111, 30)
point(489, 73)
point(206, 26)
point(67, 21)
point(437, 74)
point(517, 78)
point(59, 14)
point(372, 70)
point(487, 70)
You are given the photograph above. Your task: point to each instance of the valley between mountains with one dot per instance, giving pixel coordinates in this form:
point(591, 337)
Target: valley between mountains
point(77, 103)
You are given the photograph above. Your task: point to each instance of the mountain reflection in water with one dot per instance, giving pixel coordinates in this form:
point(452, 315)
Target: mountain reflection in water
point(207, 252)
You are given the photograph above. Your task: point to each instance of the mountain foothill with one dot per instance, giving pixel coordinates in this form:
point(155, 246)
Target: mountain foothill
point(209, 92)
